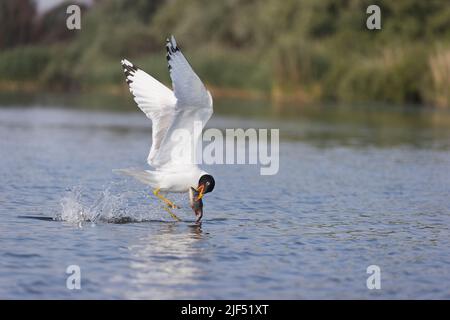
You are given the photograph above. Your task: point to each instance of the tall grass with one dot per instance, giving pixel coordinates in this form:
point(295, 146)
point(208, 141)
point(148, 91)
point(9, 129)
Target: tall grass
point(304, 51)
point(24, 63)
point(439, 64)
point(391, 75)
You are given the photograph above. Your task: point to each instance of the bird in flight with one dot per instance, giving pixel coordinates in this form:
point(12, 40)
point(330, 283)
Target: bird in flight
point(171, 113)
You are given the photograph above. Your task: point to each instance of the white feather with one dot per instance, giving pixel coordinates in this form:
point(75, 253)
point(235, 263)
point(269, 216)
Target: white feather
point(154, 99)
point(169, 111)
point(194, 103)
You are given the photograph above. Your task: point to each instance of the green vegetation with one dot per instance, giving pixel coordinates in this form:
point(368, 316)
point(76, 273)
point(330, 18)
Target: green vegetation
point(300, 50)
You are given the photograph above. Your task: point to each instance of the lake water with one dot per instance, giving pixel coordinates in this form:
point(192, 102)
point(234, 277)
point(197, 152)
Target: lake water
point(354, 189)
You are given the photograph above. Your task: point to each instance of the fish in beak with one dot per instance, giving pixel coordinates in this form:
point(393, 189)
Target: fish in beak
point(196, 202)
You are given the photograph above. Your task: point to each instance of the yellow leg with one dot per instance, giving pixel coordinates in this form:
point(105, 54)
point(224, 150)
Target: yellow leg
point(167, 201)
point(173, 215)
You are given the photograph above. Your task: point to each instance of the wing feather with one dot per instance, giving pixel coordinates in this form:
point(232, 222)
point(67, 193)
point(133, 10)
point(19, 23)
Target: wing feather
point(194, 105)
point(154, 99)
point(187, 86)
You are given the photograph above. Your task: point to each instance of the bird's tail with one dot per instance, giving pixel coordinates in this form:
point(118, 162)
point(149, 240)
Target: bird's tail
point(144, 176)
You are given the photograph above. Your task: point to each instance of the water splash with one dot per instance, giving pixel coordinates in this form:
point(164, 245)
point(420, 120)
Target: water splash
point(110, 206)
point(73, 210)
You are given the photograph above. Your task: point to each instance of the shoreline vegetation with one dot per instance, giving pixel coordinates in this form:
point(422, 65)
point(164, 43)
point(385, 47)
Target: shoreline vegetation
point(300, 52)
point(31, 86)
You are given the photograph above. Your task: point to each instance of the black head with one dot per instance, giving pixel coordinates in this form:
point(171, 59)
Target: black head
point(208, 183)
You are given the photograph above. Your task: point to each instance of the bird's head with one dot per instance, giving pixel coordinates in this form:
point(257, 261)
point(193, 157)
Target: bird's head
point(206, 184)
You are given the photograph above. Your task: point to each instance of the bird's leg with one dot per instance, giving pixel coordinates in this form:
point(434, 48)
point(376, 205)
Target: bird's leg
point(173, 215)
point(169, 203)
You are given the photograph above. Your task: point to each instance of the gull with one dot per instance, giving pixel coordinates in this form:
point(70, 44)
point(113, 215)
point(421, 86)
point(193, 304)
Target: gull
point(172, 112)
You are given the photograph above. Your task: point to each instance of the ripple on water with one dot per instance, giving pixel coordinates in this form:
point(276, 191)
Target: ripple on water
point(333, 209)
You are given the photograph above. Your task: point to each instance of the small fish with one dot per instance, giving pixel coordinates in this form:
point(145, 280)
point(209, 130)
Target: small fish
point(196, 203)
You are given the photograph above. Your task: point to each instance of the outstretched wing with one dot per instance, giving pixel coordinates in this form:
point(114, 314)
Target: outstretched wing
point(154, 99)
point(192, 110)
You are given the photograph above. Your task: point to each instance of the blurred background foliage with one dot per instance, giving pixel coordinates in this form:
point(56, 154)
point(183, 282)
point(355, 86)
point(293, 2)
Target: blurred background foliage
point(293, 50)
